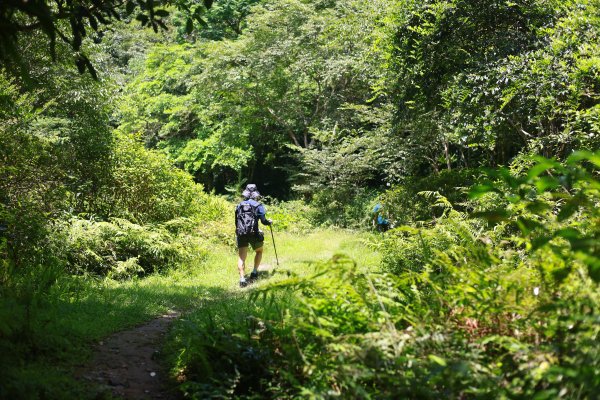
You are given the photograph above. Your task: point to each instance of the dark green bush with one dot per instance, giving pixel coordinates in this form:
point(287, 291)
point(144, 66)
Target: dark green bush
point(349, 208)
point(406, 203)
point(224, 353)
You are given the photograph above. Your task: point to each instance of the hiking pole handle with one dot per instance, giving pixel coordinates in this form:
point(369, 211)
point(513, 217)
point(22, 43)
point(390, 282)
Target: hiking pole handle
point(273, 238)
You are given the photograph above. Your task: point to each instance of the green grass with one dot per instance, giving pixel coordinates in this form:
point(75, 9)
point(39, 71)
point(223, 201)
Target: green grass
point(296, 251)
point(91, 309)
point(205, 343)
point(79, 311)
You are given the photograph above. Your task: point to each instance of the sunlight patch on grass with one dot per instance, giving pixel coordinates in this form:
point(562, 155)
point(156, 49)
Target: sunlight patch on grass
point(93, 309)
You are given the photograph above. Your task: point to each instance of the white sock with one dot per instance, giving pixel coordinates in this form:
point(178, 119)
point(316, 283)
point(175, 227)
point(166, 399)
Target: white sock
point(242, 279)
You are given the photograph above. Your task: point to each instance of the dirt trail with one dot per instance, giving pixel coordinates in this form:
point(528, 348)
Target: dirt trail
point(125, 363)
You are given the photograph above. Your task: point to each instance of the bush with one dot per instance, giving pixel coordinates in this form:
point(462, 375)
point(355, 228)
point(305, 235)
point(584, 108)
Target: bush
point(410, 249)
point(347, 208)
point(405, 204)
point(213, 223)
point(147, 188)
point(291, 216)
point(24, 339)
point(517, 286)
point(224, 354)
point(122, 249)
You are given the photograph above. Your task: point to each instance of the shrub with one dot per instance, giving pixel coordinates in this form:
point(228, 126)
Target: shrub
point(405, 204)
point(411, 249)
point(122, 249)
point(291, 216)
point(348, 208)
point(147, 188)
point(218, 352)
point(213, 223)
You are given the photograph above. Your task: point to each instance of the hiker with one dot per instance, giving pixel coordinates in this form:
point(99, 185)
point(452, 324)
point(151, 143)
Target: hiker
point(247, 214)
point(379, 220)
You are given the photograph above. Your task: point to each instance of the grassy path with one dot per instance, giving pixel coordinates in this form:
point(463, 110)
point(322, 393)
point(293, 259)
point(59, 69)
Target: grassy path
point(97, 310)
point(295, 252)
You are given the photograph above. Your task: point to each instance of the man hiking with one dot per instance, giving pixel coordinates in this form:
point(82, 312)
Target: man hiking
point(247, 214)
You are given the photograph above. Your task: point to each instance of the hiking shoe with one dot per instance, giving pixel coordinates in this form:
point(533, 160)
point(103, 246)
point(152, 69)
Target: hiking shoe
point(243, 284)
point(254, 275)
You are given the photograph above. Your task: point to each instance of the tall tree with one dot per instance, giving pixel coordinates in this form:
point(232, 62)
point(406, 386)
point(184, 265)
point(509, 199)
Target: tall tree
point(476, 83)
point(297, 69)
point(70, 21)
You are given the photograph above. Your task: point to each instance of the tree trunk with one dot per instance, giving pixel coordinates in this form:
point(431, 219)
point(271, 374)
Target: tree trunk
point(447, 154)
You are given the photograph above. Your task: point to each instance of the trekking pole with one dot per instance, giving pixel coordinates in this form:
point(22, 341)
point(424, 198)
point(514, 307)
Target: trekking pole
point(273, 238)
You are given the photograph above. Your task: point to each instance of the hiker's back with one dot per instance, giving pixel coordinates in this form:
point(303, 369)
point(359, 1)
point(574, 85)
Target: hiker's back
point(246, 219)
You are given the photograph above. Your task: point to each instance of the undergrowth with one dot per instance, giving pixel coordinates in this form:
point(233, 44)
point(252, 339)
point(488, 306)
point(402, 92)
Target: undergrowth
point(501, 302)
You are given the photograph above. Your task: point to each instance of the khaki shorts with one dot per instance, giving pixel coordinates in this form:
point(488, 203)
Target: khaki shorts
point(256, 241)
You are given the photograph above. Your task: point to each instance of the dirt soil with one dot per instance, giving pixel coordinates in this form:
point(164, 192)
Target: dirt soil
point(126, 365)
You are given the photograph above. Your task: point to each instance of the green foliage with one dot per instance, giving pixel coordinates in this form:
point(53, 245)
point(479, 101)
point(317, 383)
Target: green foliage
point(223, 353)
point(472, 308)
point(163, 107)
point(468, 84)
point(25, 284)
point(120, 249)
point(290, 216)
point(348, 156)
point(411, 200)
point(299, 76)
point(479, 82)
point(521, 285)
point(160, 106)
point(411, 249)
point(226, 19)
point(147, 188)
point(489, 296)
point(19, 20)
point(344, 208)
point(55, 157)
point(63, 174)
point(554, 207)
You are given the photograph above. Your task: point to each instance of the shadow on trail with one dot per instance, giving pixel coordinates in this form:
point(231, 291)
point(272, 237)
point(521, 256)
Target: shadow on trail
point(261, 277)
point(216, 350)
point(126, 363)
point(103, 310)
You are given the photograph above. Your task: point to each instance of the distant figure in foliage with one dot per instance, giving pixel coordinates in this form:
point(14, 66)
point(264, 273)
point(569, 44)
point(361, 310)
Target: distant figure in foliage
point(247, 214)
point(379, 221)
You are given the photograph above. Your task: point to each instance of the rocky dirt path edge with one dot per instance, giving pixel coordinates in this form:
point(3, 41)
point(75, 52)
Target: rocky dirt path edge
point(125, 364)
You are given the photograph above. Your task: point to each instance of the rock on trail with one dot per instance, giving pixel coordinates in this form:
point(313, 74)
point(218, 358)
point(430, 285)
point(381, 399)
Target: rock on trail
point(125, 363)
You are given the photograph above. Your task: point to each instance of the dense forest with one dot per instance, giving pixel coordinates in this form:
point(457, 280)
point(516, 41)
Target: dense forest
point(128, 130)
